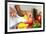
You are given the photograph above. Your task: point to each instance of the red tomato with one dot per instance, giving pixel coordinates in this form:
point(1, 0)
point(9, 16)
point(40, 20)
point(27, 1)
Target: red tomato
point(38, 18)
point(29, 21)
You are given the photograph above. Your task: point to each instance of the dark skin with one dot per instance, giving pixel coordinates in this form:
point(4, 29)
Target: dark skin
point(19, 11)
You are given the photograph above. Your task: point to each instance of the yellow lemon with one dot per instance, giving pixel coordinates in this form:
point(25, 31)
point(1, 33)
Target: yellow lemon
point(22, 25)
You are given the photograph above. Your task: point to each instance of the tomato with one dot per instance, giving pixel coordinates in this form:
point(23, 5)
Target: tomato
point(38, 18)
point(29, 21)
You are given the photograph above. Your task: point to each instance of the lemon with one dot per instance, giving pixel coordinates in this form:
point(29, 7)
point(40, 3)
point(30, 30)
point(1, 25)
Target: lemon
point(22, 25)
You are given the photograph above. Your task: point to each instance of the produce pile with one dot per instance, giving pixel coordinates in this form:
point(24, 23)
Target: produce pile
point(30, 23)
